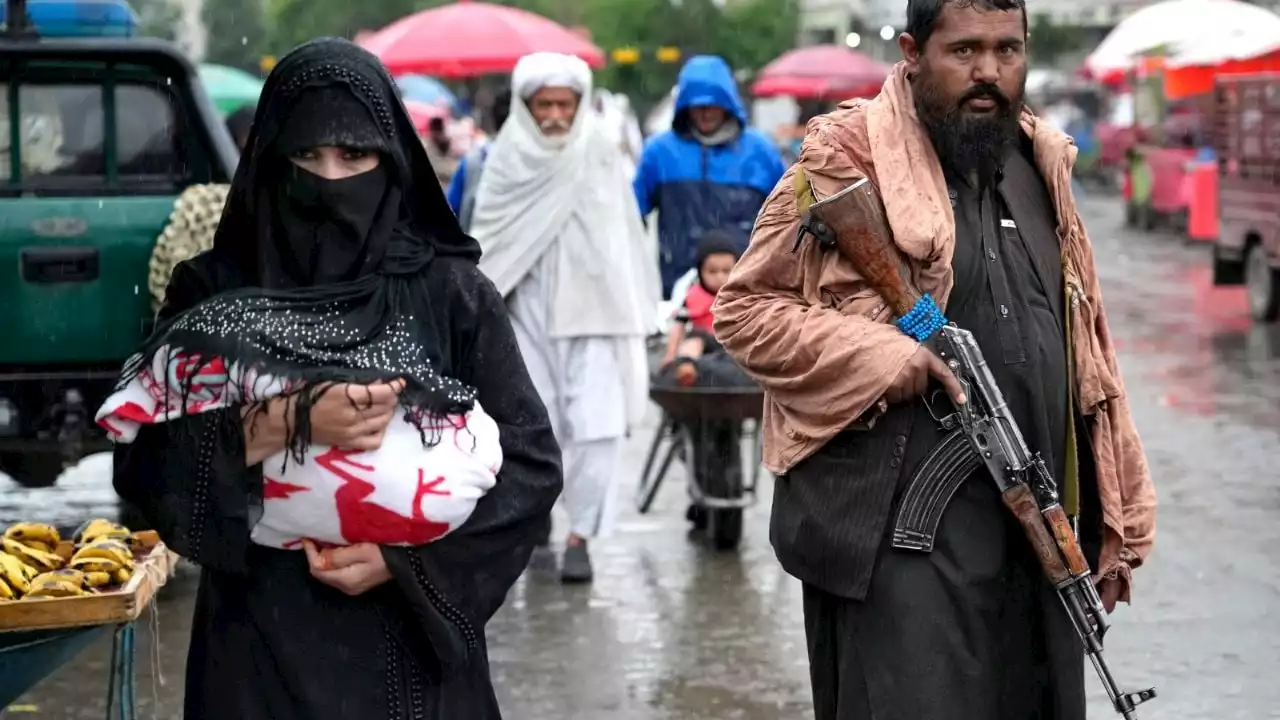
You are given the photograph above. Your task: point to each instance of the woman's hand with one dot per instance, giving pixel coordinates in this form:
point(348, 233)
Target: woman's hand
point(353, 570)
point(355, 417)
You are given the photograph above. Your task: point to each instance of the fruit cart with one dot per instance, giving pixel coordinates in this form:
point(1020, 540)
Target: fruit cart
point(39, 635)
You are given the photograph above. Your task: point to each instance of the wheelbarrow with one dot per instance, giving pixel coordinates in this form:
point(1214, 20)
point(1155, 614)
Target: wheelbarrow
point(690, 417)
point(29, 656)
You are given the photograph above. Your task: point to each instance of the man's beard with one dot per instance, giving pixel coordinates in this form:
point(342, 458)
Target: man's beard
point(555, 126)
point(968, 142)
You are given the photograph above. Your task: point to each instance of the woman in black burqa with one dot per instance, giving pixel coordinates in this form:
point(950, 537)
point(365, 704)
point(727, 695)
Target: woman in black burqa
point(375, 260)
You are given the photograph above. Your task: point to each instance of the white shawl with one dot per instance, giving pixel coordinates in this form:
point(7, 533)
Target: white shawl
point(570, 195)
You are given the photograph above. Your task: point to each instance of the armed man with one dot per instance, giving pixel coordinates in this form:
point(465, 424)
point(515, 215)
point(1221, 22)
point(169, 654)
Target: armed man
point(925, 598)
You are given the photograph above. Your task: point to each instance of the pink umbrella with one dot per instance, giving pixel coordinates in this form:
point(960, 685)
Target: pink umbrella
point(821, 72)
point(467, 39)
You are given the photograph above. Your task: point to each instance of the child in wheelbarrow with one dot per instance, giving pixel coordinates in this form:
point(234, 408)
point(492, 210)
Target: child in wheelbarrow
point(694, 358)
point(691, 336)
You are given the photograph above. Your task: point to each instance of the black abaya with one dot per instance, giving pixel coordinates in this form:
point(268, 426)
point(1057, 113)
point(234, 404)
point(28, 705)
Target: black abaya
point(271, 643)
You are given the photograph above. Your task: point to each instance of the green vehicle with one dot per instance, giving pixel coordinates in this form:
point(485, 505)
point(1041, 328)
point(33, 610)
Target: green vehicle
point(98, 137)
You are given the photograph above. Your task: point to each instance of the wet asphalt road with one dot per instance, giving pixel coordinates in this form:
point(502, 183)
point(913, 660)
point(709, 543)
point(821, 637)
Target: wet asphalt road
point(674, 631)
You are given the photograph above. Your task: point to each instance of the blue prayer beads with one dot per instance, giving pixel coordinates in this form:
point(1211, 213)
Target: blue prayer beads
point(923, 320)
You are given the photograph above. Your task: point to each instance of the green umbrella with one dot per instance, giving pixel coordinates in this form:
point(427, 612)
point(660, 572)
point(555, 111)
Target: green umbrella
point(229, 88)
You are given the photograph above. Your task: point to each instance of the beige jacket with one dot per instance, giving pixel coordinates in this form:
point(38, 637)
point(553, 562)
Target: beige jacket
point(805, 325)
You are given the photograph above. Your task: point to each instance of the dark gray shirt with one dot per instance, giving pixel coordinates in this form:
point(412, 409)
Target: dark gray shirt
point(1009, 293)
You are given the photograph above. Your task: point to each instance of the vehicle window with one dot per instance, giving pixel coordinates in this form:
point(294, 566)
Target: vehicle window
point(62, 131)
point(146, 133)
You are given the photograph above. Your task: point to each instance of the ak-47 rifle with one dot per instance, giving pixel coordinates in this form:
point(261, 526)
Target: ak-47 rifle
point(853, 221)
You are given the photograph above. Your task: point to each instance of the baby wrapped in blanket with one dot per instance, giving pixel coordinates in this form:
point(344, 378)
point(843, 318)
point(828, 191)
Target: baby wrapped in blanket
point(438, 457)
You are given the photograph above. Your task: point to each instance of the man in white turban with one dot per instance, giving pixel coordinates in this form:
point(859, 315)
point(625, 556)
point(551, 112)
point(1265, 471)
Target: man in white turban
point(563, 241)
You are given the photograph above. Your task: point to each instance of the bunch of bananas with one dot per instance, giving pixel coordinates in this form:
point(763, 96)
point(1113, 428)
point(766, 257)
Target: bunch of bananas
point(34, 561)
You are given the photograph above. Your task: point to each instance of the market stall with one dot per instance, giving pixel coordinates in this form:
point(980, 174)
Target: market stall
point(58, 596)
point(1169, 54)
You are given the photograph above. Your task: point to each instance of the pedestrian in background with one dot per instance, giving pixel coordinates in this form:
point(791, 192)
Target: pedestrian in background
point(239, 123)
point(710, 171)
point(466, 179)
point(564, 243)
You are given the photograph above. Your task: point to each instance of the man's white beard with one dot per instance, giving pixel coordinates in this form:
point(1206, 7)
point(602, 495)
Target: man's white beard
point(555, 130)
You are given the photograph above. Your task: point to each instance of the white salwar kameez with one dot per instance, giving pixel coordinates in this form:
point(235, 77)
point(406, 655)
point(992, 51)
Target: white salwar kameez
point(563, 241)
point(581, 382)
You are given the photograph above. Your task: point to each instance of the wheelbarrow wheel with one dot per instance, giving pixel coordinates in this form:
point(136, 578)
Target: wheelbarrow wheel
point(725, 528)
point(33, 469)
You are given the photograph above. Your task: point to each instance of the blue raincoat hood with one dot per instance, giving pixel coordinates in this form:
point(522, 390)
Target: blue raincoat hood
point(707, 80)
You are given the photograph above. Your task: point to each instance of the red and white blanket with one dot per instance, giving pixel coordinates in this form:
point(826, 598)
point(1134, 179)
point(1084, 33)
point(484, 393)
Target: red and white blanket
point(403, 493)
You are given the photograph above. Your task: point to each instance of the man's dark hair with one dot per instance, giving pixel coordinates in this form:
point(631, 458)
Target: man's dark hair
point(501, 108)
point(436, 125)
point(923, 15)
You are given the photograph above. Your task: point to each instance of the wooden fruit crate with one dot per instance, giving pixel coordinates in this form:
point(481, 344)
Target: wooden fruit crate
point(154, 565)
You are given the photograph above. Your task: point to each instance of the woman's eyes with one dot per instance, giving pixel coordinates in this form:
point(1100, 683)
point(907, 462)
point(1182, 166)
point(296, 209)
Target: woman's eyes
point(348, 155)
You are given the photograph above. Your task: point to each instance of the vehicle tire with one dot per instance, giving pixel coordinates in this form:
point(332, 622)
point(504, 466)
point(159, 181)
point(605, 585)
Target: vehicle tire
point(725, 524)
point(725, 528)
point(32, 470)
point(1263, 283)
point(1226, 272)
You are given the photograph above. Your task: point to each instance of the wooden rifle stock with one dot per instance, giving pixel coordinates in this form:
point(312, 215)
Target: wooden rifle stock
point(856, 218)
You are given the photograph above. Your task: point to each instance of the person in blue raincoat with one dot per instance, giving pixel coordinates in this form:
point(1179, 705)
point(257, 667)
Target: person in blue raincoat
point(709, 171)
point(461, 193)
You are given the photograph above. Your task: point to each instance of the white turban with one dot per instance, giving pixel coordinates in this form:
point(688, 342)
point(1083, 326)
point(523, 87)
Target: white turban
point(546, 69)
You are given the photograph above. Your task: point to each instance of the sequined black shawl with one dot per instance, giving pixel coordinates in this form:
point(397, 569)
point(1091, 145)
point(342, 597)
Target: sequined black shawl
point(375, 327)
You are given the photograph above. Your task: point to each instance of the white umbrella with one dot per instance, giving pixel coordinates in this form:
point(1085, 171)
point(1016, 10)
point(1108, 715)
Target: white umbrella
point(1177, 26)
point(1253, 42)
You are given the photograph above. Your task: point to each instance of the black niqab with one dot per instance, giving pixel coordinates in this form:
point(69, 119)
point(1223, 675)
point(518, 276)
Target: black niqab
point(318, 82)
point(331, 270)
point(330, 230)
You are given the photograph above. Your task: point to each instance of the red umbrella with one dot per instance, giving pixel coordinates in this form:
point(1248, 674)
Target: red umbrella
point(821, 72)
point(466, 39)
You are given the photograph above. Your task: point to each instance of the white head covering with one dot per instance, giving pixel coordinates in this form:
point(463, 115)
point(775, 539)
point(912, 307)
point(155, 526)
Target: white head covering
point(569, 195)
point(532, 182)
point(547, 69)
